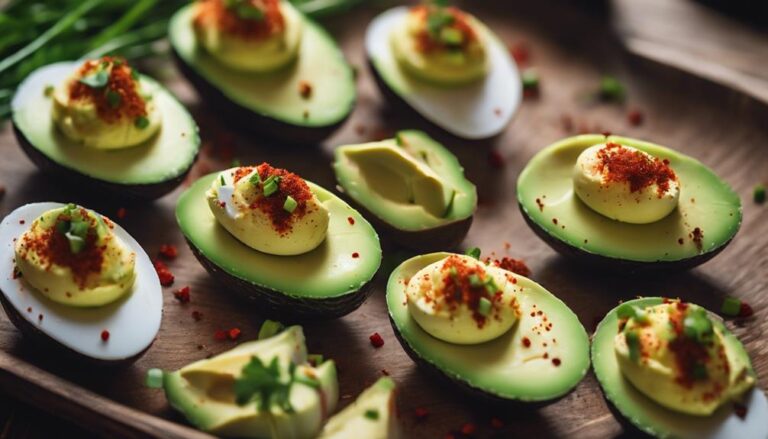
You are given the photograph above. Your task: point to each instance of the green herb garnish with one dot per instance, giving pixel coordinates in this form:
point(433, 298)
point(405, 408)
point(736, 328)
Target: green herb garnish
point(76, 231)
point(451, 36)
point(697, 325)
point(154, 378)
point(113, 99)
point(731, 307)
point(372, 414)
point(474, 252)
point(255, 179)
point(271, 185)
point(290, 204)
point(141, 122)
point(474, 280)
point(759, 194)
point(484, 306)
point(611, 89)
point(134, 74)
point(97, 79)
point(633, 343)
point(261, 384)
point(627, 311)
point(490, 285)
point(315, 359)
point(245, 9)
point(530, 79)
point(699, 371)
point(438, 20)
point(453, 272)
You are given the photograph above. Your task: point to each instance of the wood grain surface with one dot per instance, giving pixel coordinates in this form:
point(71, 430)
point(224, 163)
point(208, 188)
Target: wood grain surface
point(571, 50)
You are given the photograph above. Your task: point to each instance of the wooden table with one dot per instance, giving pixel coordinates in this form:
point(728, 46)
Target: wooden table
point(571, 50)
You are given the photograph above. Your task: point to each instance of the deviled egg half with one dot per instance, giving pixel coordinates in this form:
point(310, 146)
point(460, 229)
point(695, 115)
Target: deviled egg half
point(491, 331)
point(75, 280)
point(446, 65)
point(280, 240)
point(100, 122)
point(675, 371)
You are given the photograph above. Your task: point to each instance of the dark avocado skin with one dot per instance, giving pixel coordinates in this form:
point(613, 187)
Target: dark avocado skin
point(85, 183)
point(618, 266)
point(58, 350)
point(445, 237)
point(275, 304)
point(247, 119)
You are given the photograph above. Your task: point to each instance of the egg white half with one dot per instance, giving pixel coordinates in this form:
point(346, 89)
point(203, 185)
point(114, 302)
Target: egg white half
point(473, 111)
point(132, 322)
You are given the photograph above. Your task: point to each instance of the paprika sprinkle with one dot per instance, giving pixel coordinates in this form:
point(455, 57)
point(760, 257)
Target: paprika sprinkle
point(640, 170)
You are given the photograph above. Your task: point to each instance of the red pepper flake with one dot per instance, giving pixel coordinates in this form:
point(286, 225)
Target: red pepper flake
point(634, 167)
point(165, 275)
point(120, 83)
point(220, 335)
point(218, 14)
point(29, 309)
point(468, 428)
point(168, 251)
point(290, 185)
point(197, 315)
point(495, 159)
point(526, 342)
point(351, 221)
point(234, 333)
point(497, 111)
point(355, 255)
point(680, 241)
point(556, 362)
point(517, 266)
point(22, 221)
point(519, 51)
point(104, 335)
point(497, 423)
point(40, 317)
point(745, 310)
point(385, 372)
point(376, 340)
point(740, 410)
point(17, 273)
point(305, 89)
point(121, 212)
point(421, 413)
point(182, 295)
point(635, 117)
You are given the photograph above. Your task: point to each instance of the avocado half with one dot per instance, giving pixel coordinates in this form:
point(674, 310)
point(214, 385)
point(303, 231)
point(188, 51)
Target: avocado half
point(502, 369)
point(653, 419)
point(552, 209)
point(327, 282)
point(146, 171)
point(411, 225)
point(271, 103)
point(474, 111)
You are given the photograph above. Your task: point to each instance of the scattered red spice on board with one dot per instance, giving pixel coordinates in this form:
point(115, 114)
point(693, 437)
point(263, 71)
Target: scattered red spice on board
point(635, 117)
point(360, 129)
point(635, 167)
point(234, 333)
point(168, 251)
point(745, 310)
point(517, 266)
point(497, 423)
point(520, 52)
point(289, 184)
point(182, 295)
point(104, 335)
point(376, 340)
point(468, 428)
point(128, 102)
point(165, 275)
point(740, 410)
point(305, 89)
point(197, 315)
point(351, 221)
point(556, 362)
point(495, 159)
point(121, 212)
point(497, 111)
point(421, 413)
point(355, 255)
point(216, 13)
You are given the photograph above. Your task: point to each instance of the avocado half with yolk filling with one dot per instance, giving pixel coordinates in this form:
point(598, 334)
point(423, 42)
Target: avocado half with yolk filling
point(541, 358)
point(146, 171)
point(411, 186)
point(707, 217)
point(656, 420)
point(327, 282)
point(276, 103)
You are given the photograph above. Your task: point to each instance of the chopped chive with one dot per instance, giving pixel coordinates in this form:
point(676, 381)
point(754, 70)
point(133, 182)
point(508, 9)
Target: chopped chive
point(141, 122)
point(76, 243)
point(48, 91)
point(453, 272)
point(399, 139)
point(372, 414)
point(255, 179)
point(611, 89)
point(633, 343)
point(627, 311)
point(113, 98)
point(484, 306)
point(490, 285)
point(134, 74)
point(530, 79)
point(731, 307)
point(759, 194)
point(221, 179)
point(451, 36)
point(698, 326)
point(97, 79)
point(271, 185)
point(474, 280)
point(154, 379)
point(270, 328)
point(315, 359)
point(474, 252)
point(290, 204)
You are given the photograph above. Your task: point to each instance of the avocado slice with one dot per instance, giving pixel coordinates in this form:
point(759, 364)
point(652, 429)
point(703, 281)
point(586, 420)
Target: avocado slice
point(653, 419)
point(203, 391)
point(549, 205)
point(146, 171)
point(329, 281)
point(270, 102)
point(373, 415)
point(411, 187)
point(506, 368)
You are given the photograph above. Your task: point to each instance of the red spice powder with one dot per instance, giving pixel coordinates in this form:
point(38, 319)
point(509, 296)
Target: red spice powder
point(495, 159)
point(458, 290)
point(305, 89)
point(556, 362)
point(165, 275)
point(182, 295)
point(168, 251)
point(351, 221)
point(215, 13)
point(104, 335)
point(520, 52)
point(376, 340)
point(526, 342)
point(688, 353)
point(290, 185)
point(131, 104)
point(517, 266)
point(427, 43)
point(355, 255)
point(620, 164)
point(234, 333)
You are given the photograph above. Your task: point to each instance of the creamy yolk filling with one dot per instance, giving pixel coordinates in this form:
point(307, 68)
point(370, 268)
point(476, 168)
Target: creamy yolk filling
point(72, 256)
point(269, 209)
point(249, 35)
point(625, 184)
point(440, 44)
point(104, 105)
point(676, 356)
point(462, 300)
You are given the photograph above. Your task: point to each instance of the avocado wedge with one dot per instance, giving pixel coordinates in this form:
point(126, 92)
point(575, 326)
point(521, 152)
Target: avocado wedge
point(388, 189)
point(146, 171)
point(653, 419)
point(327, 282)
point(373, 415)
point(503, 369)
point(271, 103)
point(550, 207)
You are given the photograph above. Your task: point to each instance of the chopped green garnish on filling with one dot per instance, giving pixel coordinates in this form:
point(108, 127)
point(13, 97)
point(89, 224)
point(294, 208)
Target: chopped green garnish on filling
point(271, 185)
point(221, 180)
point(134, 74)
point(372, 414)
point(245, 9)
point(490, 285)
point(154, 379)
point(141, 122)
point(484, 306)
point(437, 21)
point(627, 311)
point(474, 252)
point(453, 272)
point(75, 230)
point(474, 280)
point(113, 98)
point(698, 326)
point(270, 328)
point(633, 343)
point(731, 307)
point(262, 384)
point(290, 204)
point(759, 194)
point(97, 79)
point(255, 179)
point(307, 381)
point(451, 36)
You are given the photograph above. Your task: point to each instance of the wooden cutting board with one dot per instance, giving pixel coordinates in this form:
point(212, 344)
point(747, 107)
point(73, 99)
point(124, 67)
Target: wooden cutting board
point(571, 50)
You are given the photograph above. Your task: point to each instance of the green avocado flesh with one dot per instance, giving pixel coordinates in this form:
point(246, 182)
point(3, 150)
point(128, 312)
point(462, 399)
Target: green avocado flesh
point(643, 412)
point(373, 415)
point(706, 202)
point(389, 188)
point(204, 391)
point(346, 260)
point(165, 156)
point(502, 367)
point(276, 94)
